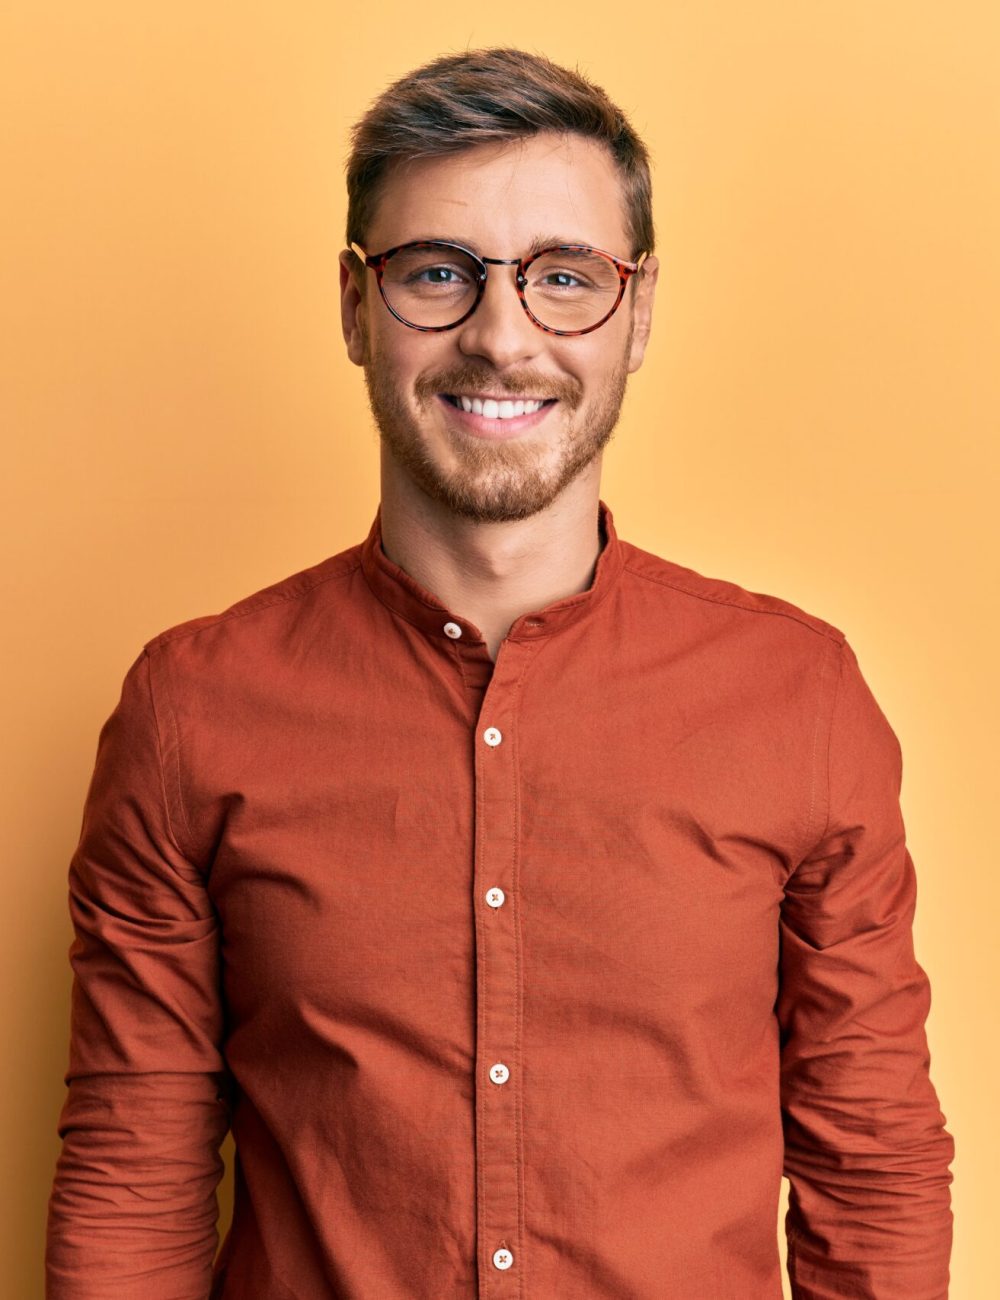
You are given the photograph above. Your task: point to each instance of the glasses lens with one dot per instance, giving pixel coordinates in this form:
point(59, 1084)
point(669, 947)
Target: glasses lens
point(435, 285)
point(571, 290)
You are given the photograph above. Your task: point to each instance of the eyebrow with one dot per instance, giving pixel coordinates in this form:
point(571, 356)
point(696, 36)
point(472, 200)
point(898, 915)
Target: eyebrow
point(538, 243)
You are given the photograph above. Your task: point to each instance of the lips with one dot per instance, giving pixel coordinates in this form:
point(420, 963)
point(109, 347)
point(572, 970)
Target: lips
point(500, 407)
point(489, 423)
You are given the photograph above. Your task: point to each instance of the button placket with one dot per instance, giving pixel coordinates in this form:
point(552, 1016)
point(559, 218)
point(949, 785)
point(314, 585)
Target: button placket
point(499, 993)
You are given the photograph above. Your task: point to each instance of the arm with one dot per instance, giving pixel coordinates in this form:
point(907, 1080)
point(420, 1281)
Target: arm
point(866, 1151)
point(133, 1210)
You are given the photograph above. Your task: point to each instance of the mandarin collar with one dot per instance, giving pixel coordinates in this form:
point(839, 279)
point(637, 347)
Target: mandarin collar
point(402, 594)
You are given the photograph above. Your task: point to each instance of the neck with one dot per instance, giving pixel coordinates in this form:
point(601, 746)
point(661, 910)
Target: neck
point(492, 573)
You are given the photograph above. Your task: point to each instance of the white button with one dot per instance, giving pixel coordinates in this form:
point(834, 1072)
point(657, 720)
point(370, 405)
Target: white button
point(502, 1258)
point(499, 1073)
point(452, 630)
point(495, 896)
point(492, 736)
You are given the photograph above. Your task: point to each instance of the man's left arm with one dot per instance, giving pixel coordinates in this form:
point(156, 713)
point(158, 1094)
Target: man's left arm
point(867, 1153)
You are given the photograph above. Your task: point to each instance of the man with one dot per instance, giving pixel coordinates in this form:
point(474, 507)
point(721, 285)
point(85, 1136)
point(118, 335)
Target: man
point(527, 903)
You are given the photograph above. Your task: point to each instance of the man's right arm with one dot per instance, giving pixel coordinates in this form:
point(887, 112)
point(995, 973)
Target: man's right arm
point(133, 1209)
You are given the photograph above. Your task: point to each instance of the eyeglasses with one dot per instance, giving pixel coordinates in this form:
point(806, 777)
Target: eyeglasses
point(432, 284)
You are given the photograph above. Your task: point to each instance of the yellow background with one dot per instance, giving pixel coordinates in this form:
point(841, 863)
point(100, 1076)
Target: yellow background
point(817, 416)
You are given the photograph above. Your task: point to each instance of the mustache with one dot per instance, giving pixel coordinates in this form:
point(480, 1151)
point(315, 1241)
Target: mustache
point(474, 379)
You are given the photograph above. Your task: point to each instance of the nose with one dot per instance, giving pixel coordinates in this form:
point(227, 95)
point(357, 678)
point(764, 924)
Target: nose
point(500, 330)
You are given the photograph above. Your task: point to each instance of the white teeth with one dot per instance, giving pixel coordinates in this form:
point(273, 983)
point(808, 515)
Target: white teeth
point(492, 409)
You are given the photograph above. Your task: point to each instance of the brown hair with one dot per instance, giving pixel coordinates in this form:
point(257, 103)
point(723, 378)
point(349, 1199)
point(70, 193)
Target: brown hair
point(483, 97)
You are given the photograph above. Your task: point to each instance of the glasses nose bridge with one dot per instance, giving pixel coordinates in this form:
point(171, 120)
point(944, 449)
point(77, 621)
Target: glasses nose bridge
point(504, 261)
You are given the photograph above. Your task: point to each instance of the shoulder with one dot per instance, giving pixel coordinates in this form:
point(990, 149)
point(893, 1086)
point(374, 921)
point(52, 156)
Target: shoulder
point(263, 613)
point(720, 600)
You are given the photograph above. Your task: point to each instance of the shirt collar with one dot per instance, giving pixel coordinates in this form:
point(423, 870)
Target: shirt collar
point(402, 594)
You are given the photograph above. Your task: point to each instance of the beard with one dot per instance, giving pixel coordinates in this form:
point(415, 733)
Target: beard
point(481, 479)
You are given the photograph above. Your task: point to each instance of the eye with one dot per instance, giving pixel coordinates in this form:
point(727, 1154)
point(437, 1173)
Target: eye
point(442, 275)
point(573, 273)
point(564, 278)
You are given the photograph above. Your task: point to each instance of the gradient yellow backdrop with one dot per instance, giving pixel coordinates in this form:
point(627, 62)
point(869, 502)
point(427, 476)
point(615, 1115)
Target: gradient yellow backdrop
point(817, 416)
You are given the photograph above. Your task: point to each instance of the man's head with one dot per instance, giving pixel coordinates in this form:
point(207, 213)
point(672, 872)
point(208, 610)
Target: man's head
point(499, 151)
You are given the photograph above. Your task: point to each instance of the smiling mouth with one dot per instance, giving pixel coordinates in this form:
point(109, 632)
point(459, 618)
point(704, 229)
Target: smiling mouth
point(500, 408)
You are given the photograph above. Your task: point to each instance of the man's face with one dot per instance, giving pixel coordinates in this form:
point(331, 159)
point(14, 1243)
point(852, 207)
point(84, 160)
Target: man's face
point(496, 200)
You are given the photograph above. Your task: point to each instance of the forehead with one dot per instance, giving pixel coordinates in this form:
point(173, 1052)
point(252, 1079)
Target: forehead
point(497, 198)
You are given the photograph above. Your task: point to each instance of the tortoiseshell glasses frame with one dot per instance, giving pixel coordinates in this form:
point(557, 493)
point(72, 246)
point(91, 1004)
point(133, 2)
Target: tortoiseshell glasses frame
point(624, 268)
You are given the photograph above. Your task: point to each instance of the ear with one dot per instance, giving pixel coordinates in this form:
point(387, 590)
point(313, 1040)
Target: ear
point(352, 305)
point(642, 310)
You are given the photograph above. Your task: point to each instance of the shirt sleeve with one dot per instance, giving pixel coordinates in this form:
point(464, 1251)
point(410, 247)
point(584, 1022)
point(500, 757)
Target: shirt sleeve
point(133, 1211)
point(867, 1154)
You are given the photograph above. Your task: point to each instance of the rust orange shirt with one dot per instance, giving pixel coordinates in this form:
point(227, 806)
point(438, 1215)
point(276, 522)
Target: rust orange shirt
point(517, 979)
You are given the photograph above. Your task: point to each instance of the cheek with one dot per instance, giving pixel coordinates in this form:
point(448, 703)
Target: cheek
point(596, 367)
point(392, 355)
point(409, 354)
